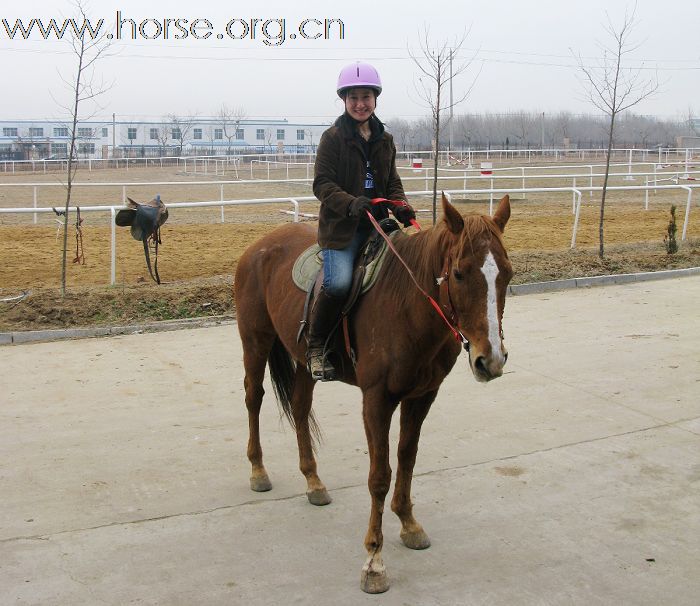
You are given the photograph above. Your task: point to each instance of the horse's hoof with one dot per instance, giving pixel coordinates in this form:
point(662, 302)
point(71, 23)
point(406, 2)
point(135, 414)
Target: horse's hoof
point(415, 540)
point(260, 483)
point(319, 496)
point(374, 581)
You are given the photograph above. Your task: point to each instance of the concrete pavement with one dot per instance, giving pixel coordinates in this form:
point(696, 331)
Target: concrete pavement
point(574, 479)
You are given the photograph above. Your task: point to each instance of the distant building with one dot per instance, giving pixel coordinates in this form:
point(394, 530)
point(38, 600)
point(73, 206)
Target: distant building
point(40, 139)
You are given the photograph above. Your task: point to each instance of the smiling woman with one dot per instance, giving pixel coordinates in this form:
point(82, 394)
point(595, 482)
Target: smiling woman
point(356, 162)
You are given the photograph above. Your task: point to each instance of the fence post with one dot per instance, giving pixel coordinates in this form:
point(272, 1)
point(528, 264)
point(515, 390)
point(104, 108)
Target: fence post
point(646, 193)
point(576, 216)
point(35, 204)
point(113, 251)
point(296, 209)
point(687, 212)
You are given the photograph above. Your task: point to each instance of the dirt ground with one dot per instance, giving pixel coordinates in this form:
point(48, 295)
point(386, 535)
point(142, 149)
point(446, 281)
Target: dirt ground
point(198, 257)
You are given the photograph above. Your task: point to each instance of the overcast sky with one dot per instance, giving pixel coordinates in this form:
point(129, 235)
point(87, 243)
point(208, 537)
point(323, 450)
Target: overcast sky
point(521, 51)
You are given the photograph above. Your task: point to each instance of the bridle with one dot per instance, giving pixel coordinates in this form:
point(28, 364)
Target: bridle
point(445, 298)
point(443, 284)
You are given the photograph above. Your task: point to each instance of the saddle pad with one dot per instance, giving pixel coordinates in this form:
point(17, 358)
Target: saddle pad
point(308, 264)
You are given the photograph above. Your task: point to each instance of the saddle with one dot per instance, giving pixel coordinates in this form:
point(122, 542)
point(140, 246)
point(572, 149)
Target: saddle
point(308, 275)
point(145, 221)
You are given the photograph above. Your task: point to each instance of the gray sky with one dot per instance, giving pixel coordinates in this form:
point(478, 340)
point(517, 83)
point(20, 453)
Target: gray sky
point(521, 51)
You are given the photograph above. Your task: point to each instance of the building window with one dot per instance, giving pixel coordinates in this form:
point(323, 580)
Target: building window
point(280, 134)
point(300, 134)
point(131, 134)
point(85, 132)
point(176, 133)
point(218, 133)
point(153, 134)
point(59, 149)
point(9, 132)
point(197, 133)
point(60, 132)
point(105, 133)
point(36, 132)
point(239, 134)
point(260, 134)
point(86, 148)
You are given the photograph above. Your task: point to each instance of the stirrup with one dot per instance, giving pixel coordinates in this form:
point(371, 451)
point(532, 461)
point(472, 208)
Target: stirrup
point(319, 365)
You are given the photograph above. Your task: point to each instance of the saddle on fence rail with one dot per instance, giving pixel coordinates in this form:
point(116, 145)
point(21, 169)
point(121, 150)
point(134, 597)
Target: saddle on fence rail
point(145, 221)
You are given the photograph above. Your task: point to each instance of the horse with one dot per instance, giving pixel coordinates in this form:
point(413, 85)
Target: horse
point(404, 349)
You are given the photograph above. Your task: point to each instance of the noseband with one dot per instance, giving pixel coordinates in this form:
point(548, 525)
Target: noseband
point(448, 307)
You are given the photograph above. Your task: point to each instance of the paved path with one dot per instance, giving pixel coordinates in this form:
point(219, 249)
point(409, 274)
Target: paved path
point(574, 479)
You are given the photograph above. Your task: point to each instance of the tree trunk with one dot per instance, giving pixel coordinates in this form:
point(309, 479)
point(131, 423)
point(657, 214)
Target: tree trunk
point(437, 149)
point(601, 240)
point(71, 152)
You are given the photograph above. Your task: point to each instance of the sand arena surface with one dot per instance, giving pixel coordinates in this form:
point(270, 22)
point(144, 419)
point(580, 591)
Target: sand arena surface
point(197, 245)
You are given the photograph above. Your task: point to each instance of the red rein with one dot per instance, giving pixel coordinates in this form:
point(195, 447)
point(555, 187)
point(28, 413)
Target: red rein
point(455, 331)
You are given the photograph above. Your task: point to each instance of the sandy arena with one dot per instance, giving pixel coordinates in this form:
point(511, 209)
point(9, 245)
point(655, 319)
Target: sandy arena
point(196, 244)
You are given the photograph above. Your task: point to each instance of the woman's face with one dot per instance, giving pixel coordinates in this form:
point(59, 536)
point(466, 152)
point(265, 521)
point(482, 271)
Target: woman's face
point(360, 103)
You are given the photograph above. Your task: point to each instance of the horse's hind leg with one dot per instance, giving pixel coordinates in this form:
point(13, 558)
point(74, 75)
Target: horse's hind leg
point(301, 410)
point(255, 352)
point(413, 413)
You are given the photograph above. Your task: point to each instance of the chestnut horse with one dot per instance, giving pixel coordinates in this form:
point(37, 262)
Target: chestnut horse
point(404, 349)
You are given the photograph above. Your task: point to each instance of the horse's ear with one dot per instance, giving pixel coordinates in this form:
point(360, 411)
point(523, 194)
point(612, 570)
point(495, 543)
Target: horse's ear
point(454, 221)
point(502, 213)
point(132, 203)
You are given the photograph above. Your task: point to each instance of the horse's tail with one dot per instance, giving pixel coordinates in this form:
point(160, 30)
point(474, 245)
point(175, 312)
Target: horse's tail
point(282, 373)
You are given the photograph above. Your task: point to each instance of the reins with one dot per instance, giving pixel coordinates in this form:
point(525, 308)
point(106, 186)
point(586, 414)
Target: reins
point(443, 279)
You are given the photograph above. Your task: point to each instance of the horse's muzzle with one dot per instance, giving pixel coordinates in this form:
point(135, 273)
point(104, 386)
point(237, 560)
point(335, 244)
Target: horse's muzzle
point(487, 368)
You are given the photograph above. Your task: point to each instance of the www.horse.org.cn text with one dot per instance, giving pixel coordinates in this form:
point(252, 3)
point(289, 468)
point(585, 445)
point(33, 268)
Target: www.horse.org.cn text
point(271, 32)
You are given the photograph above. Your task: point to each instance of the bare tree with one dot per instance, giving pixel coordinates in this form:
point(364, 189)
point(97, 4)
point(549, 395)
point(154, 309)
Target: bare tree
point(309, 134)
point(614, 88)
point(403, 131)
point(435, 63)
point(83, 87)
point(693, 122)
point(162, 133)
point(230, 119)
point(180, 129)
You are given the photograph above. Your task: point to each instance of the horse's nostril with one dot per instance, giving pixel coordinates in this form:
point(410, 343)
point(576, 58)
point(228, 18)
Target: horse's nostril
point(505, 357)
point(480, 365)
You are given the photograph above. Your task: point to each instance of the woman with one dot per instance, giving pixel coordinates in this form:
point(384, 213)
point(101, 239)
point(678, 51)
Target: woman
point(355, 162)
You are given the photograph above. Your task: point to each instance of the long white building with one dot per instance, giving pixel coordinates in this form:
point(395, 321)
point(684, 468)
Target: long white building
point(40, 139)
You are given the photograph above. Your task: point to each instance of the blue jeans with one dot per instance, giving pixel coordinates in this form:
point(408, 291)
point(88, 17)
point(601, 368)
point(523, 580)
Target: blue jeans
point(338, 264)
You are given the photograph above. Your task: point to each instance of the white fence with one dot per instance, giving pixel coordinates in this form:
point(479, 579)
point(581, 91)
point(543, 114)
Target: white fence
point(465, 158)
point(576, 193)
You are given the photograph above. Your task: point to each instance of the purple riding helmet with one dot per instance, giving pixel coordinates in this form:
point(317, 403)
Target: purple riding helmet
point(358, 75)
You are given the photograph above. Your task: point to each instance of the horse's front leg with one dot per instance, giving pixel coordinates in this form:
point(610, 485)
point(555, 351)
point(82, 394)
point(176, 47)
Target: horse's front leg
point(413, 413)
point(376, 413)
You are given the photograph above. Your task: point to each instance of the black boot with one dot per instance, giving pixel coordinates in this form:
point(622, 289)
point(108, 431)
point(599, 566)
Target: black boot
point(323, 317)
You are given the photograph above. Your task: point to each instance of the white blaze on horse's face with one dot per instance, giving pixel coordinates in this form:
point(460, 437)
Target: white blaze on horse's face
point(490, 271)
point(487, 367)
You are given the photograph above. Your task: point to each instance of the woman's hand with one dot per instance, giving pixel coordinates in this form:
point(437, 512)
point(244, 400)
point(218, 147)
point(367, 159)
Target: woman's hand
point(404, 214)
point(359, 207)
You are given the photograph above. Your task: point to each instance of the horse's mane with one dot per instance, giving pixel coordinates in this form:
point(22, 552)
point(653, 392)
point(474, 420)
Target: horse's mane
point(425, 253)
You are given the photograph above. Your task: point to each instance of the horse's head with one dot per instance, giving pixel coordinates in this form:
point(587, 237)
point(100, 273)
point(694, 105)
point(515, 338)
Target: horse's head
point(476, 273)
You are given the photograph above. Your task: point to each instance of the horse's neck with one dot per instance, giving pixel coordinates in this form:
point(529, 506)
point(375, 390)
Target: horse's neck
point(425, 253)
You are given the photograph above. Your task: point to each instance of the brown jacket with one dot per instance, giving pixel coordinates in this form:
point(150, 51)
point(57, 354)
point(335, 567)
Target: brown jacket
point(339, 177)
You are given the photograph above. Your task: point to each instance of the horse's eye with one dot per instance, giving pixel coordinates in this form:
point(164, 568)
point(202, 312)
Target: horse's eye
point(458, 274)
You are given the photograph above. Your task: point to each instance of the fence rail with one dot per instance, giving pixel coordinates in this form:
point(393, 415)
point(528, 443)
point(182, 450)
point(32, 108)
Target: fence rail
point(577, 193)
point(445, 158)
